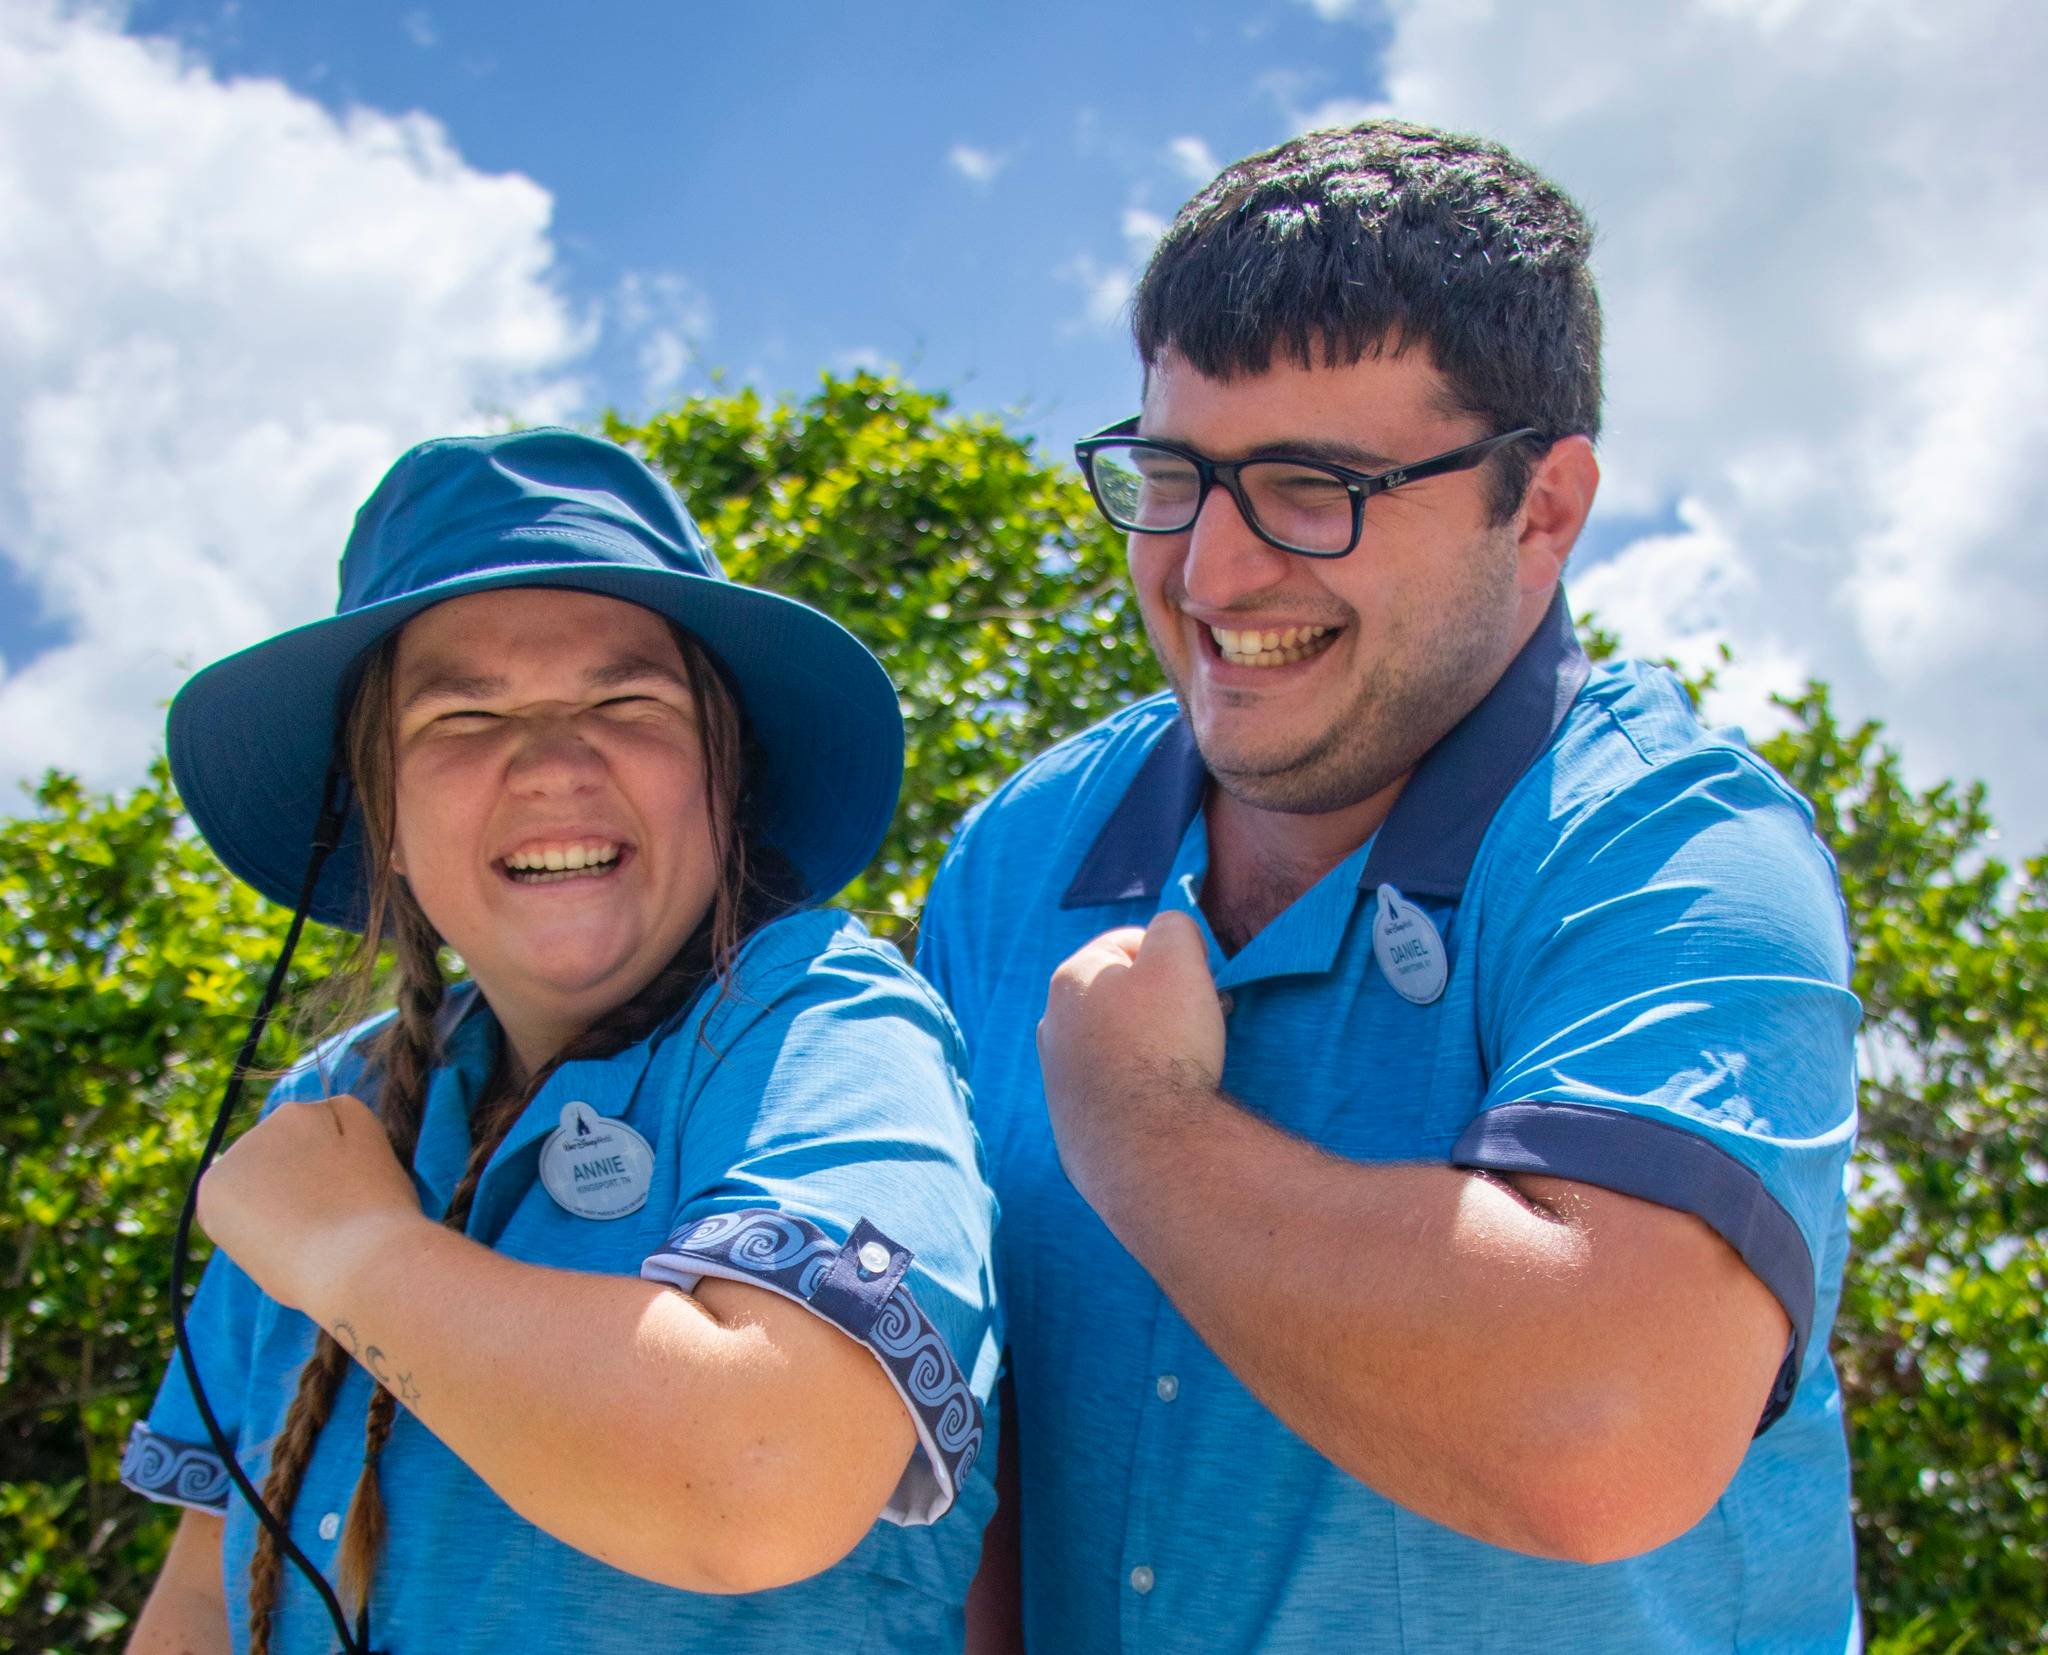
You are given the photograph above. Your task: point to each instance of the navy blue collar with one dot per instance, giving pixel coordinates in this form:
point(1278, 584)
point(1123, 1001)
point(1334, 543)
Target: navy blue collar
point(1427, 843)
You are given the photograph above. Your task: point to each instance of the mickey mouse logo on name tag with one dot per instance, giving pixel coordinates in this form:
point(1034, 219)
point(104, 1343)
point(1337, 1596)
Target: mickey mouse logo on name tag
point(1410, 952)
point(596, 1167)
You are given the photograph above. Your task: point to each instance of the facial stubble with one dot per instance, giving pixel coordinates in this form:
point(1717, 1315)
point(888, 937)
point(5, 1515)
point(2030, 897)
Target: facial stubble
point(1435, 664)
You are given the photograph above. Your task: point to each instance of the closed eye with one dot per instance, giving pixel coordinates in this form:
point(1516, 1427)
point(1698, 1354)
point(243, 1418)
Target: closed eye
point(633, 704)
point(651, 706)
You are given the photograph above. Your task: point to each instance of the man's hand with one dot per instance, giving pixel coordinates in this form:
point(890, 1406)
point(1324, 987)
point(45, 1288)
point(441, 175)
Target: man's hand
point(300, 1193)
point(1132, 1026)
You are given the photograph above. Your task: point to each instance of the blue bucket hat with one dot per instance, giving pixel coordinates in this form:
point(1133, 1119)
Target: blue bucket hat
point(252, 737)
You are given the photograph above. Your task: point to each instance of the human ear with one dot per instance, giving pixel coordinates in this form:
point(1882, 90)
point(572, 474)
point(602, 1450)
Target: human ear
point(1554, 510)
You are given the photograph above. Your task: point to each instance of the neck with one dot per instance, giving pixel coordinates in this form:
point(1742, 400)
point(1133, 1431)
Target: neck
point(531, 1041)
point(1261, 861)
point(539, 1029)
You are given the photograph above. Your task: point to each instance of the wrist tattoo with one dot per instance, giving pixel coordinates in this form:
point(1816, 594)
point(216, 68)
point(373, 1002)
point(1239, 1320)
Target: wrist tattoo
point(373, 1357)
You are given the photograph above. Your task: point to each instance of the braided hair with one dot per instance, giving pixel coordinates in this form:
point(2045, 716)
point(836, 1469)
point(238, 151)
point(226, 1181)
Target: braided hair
point(752, 888)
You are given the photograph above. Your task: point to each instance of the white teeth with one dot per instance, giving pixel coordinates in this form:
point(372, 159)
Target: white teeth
point(582, 857)
point(1269, 649)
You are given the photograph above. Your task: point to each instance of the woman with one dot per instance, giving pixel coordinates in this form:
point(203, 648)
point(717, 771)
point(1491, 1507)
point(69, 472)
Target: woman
point(608, 1299)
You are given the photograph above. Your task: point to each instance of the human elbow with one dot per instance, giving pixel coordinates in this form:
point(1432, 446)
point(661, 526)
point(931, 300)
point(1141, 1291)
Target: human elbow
point(760, 1522)
point(1607, 1494)
point(749, 1556)
point(1576, 1524)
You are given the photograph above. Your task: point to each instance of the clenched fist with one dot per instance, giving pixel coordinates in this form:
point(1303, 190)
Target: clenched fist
point(295, 1198)
point(1132, 1023)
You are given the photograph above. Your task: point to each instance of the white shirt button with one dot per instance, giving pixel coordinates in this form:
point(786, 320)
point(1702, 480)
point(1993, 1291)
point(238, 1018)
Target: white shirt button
point(1168, 1387)
point(330, 1525)
point(1141, 1580)
point(874, 1258)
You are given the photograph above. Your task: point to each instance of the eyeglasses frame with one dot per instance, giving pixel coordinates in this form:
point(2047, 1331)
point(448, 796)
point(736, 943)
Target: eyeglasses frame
point(1361, 485)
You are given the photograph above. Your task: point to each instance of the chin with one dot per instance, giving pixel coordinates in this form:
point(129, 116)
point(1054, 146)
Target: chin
point(573, 975)
point(1300, 776)
point(1252, 757)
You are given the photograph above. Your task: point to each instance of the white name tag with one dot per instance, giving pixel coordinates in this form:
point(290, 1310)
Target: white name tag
point(1410, 952)
point(596, 1167)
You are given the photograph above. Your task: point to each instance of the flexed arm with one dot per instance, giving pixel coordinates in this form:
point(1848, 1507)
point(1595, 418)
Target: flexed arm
point(1538, 1363)
point(724, 1440)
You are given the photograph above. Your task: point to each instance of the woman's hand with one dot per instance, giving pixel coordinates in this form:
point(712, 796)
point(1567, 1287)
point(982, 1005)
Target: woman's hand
point(296, 1198)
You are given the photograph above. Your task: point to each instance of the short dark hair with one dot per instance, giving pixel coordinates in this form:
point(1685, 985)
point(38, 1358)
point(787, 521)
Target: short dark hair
point(1380, 237)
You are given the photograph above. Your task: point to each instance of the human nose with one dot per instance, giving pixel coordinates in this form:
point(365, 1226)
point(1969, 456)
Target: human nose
point(552, 756)
point(1225, 560)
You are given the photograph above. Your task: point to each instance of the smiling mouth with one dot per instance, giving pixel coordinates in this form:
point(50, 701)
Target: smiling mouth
point(556, 864)
point(1270, 647)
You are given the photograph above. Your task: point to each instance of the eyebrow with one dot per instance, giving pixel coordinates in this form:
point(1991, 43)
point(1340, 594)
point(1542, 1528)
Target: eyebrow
point(1327, 449)
point(447, 683)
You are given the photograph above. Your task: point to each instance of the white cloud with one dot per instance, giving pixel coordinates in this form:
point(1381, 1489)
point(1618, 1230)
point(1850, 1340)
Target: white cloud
point(1195, 160)
point(668, 317)
point(1332, 112)
point(1334, 11)
point(1827, 337)
point(977, 166)
point(419, 29)
point(870, 359)
point(1106, 284)
point(223, 312)
point(1142, 228)
point(1105, 288)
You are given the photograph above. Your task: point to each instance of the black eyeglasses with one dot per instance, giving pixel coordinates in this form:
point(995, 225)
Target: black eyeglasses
point(1310, 507)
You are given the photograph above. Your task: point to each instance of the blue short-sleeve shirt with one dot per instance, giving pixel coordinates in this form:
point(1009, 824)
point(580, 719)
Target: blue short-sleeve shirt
point(810, 1136)
point(1592, 940)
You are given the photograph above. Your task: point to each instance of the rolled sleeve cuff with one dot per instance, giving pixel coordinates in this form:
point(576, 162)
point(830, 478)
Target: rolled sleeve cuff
point(175, 1473)
point(1654, 1161)
point(858, 1288)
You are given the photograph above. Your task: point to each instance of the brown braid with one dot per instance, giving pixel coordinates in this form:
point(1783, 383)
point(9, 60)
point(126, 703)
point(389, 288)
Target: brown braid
point(406, 1063)
point(362, 1535)
point(319, 1380)
point(750, 891)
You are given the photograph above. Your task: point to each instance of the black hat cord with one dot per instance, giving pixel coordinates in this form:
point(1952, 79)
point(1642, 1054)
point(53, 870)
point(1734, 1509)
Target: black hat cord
point(334, 808)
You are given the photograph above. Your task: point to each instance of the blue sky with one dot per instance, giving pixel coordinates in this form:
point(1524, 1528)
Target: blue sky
point(255, 250)
point(802, 168)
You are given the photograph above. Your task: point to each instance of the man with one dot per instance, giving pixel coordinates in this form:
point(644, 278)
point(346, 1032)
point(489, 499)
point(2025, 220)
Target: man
point(1423, 1233)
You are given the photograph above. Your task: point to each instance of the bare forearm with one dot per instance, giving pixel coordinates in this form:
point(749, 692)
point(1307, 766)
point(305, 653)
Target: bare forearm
point(615, 1413)
point(187, 1612)
point(1492, 1364)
